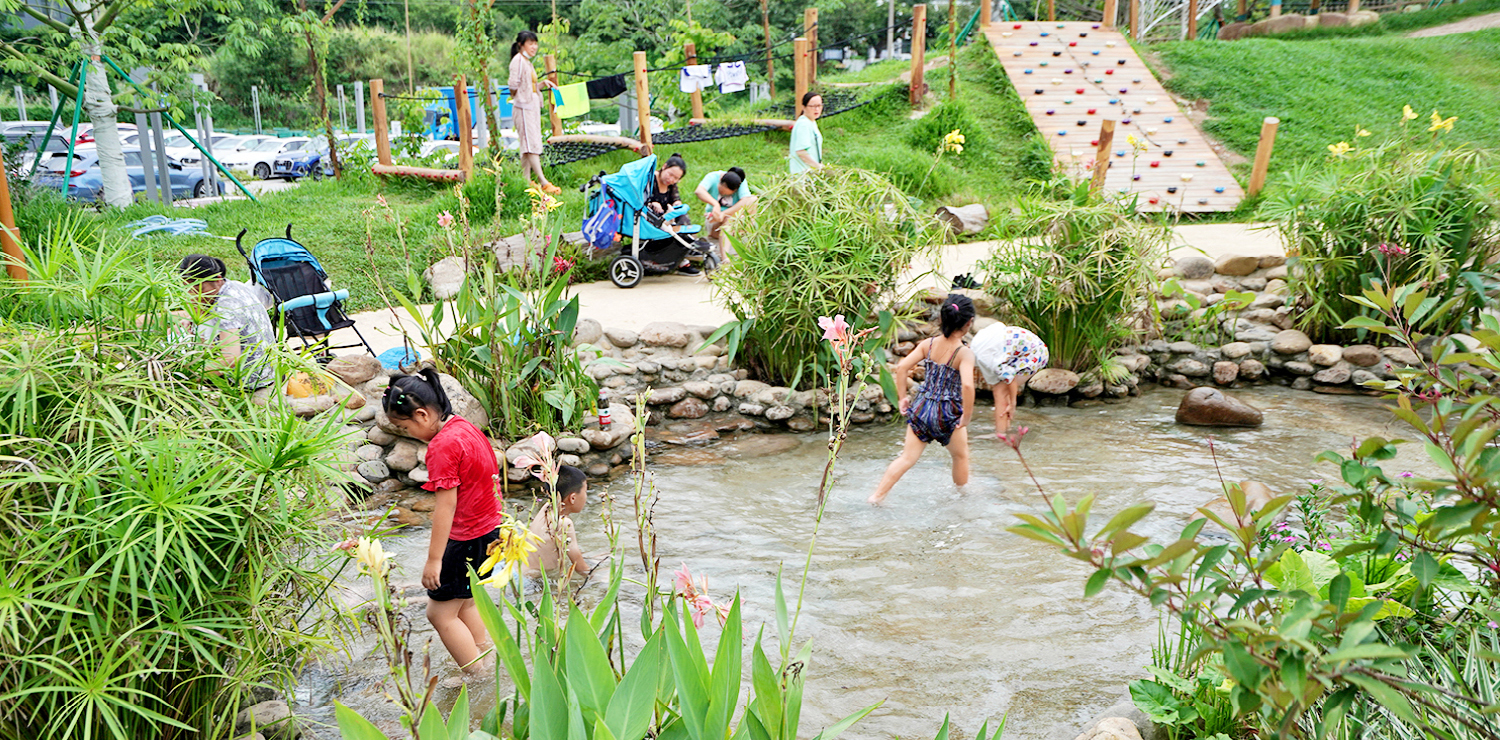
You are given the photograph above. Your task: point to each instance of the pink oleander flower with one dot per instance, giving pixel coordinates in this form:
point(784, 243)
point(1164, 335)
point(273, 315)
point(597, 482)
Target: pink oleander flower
point(1392, 250)
point(835, 329)
point(445, 219)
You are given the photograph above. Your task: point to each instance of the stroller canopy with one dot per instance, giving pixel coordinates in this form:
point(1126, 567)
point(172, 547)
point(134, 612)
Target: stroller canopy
point(630, 183)
point(279, 249)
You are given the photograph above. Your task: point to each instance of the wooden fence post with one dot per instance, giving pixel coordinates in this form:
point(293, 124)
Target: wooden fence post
point(1192, 30)
point(690, 55)
point(1275, 8)
point(984, 13)
point(643, 101)
point(551, 62)
point(10, 238)
point(1263, 155)
point(1242, 10)
point(1111, 12)
point(918, 48)
point(1353, 6)
point(1101, 154)
point(382, 123)
point(799, 72)
point(465, 127)
point(1135, 20)
point(1051, 10)
point(765, 23)
point(810, 32)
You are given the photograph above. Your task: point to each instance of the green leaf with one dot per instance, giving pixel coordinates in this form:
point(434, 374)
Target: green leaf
point(1125, 518)
point(1366, 651)
point(1322, 568)
point(724, 681)
point(1097, 581)
point(458, 719)
point(1388, 697)
point(837, 728)
point(548, 706)
point(943, 731)
point(1242, 667)
point(1425, 568)
point(690, 671)
point(1171, 680)
point(1338, 592)
point(589, 672)
point(1157, 702)
point(505, 644)
point(1295, 575)
point(1387, 609)
point(633, 703)
point(354, 727)
point(432, 723)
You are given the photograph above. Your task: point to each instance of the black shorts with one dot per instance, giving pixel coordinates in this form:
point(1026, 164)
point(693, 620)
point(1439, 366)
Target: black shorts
point(458, 557)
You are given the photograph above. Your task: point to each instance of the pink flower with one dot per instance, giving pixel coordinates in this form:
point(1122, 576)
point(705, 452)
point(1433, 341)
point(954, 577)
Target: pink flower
point(700, 606)
point(835, 329)
point(347, 545)
point(1392, 250)
point(561, 265)
point(1324, 546)
point(1493, 625)
point(445, 219)
point(381, 200)
point(684, 580)
point(1014, 438)
point(1407, 474)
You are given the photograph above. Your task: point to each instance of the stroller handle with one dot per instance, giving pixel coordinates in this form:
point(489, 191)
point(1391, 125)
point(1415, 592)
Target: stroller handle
point(238, 243)
point(289, 232)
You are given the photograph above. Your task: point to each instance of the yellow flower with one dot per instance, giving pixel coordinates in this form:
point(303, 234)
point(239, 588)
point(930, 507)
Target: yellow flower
point(1438, 122)
point(1339, 148)
point(542, 202)
point(953, 141)
point(1408, 114)
point(1360, 131)
point(511, 550)
point(371, 556)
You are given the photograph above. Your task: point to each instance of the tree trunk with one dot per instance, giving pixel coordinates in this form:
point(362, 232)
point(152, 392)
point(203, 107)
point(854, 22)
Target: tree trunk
point(320, 96)
point(101, 109)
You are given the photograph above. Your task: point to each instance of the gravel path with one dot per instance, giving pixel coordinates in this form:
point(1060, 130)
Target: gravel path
point(1477, 23)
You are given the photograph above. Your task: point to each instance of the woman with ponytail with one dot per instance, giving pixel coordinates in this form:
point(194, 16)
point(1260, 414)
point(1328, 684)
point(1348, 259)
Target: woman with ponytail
point(941, 409)
point(526, 101)
point(462, 472)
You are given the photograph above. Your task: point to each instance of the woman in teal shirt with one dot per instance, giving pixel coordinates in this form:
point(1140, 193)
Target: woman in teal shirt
point(807, 140)
point(725, 192)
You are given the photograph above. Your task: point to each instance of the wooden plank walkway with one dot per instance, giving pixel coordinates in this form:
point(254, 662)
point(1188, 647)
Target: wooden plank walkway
point(1072, 76)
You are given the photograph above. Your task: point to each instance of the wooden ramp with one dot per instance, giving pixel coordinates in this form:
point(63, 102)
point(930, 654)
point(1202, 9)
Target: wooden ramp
point(1073, 76)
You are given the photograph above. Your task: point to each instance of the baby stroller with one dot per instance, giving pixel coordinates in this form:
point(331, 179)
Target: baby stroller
point(306, 303)
point(617, 205)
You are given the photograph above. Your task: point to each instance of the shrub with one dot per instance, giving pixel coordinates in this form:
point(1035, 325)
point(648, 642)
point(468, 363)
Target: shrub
point(1408, 210)
point(1079, 284)
point(907, 169)
point(160, 531)
point(835, 241)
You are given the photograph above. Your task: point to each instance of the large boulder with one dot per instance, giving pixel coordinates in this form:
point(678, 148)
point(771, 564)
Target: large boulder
point(1234, 31)
point(464, 404)
point(1290, 342)
point(446, 277)
point(1331, 19)
point(1194, 267)
point(1211, 407)
point(355, 370)
point(1280, 24)
point(587, 331)
point(1054, 380)
point(1237, 265)
point(1363, 18)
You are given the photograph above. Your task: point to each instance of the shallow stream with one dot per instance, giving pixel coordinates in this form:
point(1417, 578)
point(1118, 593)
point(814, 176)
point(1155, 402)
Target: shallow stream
point(928, 603)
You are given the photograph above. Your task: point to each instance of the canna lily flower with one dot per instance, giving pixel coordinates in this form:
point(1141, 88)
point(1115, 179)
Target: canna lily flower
point(542, 464)
point(835, 329)
point(1360, 131)
point(696, 597)
point(371, 556)
point(1440, 123)
point(445, 219)
point(348, 545)
point(953, 141)
point(515, 545)
point(1408, 114)
point(1014, 438)
point(1340, 148)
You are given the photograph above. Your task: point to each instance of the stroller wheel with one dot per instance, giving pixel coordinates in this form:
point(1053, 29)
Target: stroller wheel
point(710, 262)
point(626, 271)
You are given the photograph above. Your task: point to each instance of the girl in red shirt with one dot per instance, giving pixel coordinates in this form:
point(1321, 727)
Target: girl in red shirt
point(461, 471)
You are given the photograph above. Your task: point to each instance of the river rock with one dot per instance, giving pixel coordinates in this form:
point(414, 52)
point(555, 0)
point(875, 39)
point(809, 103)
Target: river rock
point(1334, 375)
point(1326, 355)
point(274, 718)
point(1400, 356)
point(772, 396)
point(1211, 407)
point(780, 413)
point(404, 456)
point(419, 475)
point(572, 445)
point(665, 396)
point(1297, 367)
point(1290, 342)
point(622, 338)
point(1258, 334)
point(622, 426)
point(748, 388)
point(1111, 728)
point(646, 367)
point(722, 403)
point(373, 471)
point(446, 277)
point(1276, 273)
point(1189, 367)
point(1182, 348)
point(355, 370)
point(700, 389)
point(1237, 265)
point(1235, 350)
point(1253, 284)
point(587, 331)
point(1194, 267)
point(1272, 260)
point(312, 405)
point(752, 409)
point(1053, 380)
point(1225, 372)
point(665, 334)
point(1302, 384)
point(368, 452)
point(691, 407)
point(1268, 300)
point(1361, 377)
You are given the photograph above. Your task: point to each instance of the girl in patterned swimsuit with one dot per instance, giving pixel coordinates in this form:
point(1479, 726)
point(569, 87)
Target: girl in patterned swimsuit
point(941, 408)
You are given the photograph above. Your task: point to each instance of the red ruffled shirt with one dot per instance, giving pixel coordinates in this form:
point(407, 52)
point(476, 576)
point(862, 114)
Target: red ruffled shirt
point(460, 457)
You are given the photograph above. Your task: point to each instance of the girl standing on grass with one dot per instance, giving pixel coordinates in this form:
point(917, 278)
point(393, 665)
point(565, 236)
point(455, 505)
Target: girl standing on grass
point(462, 472)
point(942, 406)
point(526, 100)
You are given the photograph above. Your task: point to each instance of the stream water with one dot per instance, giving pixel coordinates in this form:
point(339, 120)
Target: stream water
point(928, 603)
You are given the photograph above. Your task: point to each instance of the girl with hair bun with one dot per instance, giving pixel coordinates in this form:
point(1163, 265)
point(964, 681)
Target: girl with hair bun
point(941, 408)
point(462, 472)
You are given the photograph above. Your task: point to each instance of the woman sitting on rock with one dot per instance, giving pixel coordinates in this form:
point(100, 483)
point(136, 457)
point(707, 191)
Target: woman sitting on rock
point(1007, 356)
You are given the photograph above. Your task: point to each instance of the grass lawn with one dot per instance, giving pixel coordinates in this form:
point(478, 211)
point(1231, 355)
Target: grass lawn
point(1322, 89)
point(343, 226)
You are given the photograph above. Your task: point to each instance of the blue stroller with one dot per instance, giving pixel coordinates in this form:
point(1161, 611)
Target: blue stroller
point(656, 246)
point(306, 303)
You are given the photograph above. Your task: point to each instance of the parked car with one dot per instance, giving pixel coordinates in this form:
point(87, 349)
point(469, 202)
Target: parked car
point(28, 143)
point(225, 147)
point(313, 161)
point(180, 149)
point(86, 182)
point(257, 159)
point(86, 130)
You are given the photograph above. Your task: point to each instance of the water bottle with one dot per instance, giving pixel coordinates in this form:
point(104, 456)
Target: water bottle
point(604, 420)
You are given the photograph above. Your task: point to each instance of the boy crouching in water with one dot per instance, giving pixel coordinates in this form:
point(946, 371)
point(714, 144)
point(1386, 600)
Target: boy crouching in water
point(555, 531)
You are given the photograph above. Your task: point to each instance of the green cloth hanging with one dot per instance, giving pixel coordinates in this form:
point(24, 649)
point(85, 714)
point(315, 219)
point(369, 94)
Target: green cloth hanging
point(571, 100)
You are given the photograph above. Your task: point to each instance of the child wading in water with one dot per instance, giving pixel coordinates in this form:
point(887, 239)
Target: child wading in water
point(461, 468)
point(556, 531)
point(943, 405)
point(1007, 356)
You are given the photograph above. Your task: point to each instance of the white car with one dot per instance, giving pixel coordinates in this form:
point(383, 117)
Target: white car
point(221, 147)
point(180, 149)
point(257, 159)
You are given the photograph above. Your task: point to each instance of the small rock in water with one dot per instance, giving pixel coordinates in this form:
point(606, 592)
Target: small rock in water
point(1235, 350)
point(1211, 407)
point(1225, 372)
point(691, 407)
point(374, 471)
point(1335, 375)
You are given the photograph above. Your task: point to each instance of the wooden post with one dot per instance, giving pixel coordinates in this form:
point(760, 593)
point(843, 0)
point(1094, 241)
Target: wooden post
point(690, 54)
point(1192, 20)
point(984, 13)
point(765, 23)
point(10, 238)
point(1313, 6)
point(953, 52)
point(810, 32)
point(551, 62)
point(643, 101)
point(382, 123)
point(918, 48)
point(465, 126)
point(1275, 8)
point(1135, 20)
point(1051, 10)
point(1101, 154)
point(799, 72)
point(1263, 155)
point(1353, 7)
point(1111, 12)
point(1242, 11)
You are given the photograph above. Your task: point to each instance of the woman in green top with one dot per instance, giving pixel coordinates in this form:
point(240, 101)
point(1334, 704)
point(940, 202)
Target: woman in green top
point(726, 193)
point(807, 140)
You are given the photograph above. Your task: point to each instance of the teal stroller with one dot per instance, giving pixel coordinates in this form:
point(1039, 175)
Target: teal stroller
point(617, 205)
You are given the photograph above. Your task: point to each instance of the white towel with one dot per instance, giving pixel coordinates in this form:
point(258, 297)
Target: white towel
point(694, 77)
point(731, 77)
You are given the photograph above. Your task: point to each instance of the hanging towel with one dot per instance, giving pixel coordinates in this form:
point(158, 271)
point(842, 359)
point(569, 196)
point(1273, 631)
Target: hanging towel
point(571, 100)
point(731, 77)
point(694, 77)
point(606, 87)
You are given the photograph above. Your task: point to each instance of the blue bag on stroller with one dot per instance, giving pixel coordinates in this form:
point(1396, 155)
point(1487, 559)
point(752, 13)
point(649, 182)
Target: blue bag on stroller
point(601, 226)
point(657, 246)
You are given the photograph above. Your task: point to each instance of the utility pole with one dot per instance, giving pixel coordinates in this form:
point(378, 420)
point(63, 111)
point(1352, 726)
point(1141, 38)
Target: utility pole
point(411, 75)
point(689, 11)
point(890, 30)
point(765, 22)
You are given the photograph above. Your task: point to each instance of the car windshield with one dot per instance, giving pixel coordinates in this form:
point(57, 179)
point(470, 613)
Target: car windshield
point(269, 145)
point(177, 142)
